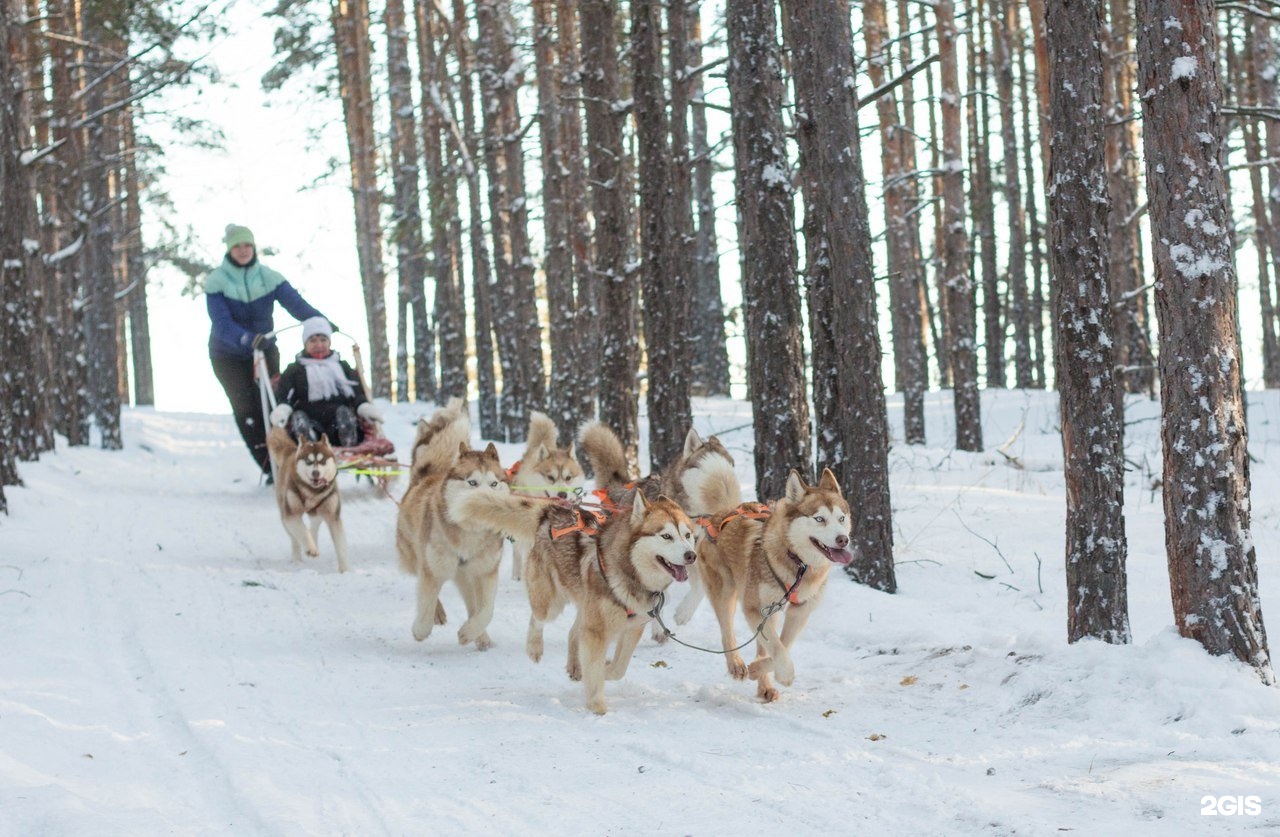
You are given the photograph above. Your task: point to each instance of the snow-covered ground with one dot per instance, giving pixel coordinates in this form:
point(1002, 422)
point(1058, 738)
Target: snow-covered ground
point(167, 670)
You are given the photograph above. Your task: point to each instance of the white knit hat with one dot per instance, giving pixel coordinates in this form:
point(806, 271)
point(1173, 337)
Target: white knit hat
point(315, 325)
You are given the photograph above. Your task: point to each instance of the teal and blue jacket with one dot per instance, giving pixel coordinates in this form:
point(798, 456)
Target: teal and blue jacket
point(241, 303)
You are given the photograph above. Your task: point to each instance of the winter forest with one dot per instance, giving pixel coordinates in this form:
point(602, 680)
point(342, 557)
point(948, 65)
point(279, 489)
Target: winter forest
point(549, 198)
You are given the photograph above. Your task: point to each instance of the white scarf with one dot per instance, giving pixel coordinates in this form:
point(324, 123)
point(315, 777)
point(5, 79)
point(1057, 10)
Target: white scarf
point(325, 378)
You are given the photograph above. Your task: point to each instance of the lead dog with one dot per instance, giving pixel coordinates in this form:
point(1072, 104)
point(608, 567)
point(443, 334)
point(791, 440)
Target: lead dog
point(544, 471)
point(782, 561)
point(434, 539)
point(701, 480)
point(307, 484)
point(612, 568)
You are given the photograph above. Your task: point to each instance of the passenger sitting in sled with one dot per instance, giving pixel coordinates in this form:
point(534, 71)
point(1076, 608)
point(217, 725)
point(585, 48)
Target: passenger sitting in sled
point(320, 394)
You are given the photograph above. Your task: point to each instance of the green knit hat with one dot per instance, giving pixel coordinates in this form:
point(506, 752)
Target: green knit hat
point(237, 234)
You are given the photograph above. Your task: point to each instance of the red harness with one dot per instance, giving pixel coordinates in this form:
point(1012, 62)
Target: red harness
point(751, 511)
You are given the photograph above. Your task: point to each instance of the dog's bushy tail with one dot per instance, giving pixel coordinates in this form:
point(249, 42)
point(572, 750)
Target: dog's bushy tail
point(508, 514)
point(279, 445)
point(604, 451)
point(439, 440)
point(542, 431)
point(712, 484)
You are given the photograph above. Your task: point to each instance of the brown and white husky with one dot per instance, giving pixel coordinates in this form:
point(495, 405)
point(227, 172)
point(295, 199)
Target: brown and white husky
point(782, 561)
point(544, 471)
point(702, 481)
point(435, 539)
point(307, 484)
point(612, 567)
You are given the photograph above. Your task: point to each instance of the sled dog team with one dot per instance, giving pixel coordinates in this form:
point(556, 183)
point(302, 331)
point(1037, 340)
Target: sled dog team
point(612, 555)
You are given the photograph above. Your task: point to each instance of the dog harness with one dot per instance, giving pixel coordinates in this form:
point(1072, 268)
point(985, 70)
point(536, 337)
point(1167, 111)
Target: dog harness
point(591, 527)
point(751, 511)
point(790, 594)
point(317, 499)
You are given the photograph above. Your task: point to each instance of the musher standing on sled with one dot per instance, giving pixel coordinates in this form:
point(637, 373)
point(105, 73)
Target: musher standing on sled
point(241, 294)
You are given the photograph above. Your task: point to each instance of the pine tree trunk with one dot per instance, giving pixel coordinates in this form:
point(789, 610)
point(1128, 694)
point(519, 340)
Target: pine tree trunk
point(586, 336)
point(956, 280)
point(619, 345)
point(406, 230)
point(350, 20)
point(1212, 563)
point(980, 198)
point(135, 264)
point(710, 352)
point(1265, 55)
point(558, 267)
point(1090, 395)
point(851, 425)
point(664, 275)
point(905, 281)
point(481, 263)
point(767, 248)
point(1005, 28)
point(1248, 80)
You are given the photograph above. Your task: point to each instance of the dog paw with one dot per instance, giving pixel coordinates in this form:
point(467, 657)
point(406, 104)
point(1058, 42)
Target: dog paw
point(597, 705)
point(767, 694)
point(470, 633)
point(659, 635)
point(760, 668)
point(784, 670)
point(483, 643)
point(533, 649)
point(421, 630)
point(313, 553)
point(737, 668)
point(574, 670)
point(342, 566)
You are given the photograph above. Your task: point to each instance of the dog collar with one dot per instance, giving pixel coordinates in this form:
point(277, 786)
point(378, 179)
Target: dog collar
point(790, 594)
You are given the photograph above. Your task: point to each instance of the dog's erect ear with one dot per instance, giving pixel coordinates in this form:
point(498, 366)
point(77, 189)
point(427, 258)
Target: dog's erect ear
point(795, 487)
point(491, 450)
point(828, 481)
point(692, 441)
point(324, 439)
point(637, 509)
point(572, 454)
point(541, 454)
point(463, 447)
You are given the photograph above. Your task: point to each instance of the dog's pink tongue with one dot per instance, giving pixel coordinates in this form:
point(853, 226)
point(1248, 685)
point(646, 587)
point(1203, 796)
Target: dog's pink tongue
point(678, 571)
point(839, 556)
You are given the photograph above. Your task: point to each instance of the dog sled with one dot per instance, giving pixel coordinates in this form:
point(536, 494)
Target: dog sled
point(373, 458)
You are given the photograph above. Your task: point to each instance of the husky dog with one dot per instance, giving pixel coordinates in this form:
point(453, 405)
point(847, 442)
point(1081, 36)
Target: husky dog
point(611, 567)
point(434, 539)
point(782, 560)
point(307, 484)
point(544, 471)
point(702, 481)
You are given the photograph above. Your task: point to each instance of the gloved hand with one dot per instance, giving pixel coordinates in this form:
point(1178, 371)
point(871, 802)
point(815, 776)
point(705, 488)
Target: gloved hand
point(369, 412)
point(280, 415)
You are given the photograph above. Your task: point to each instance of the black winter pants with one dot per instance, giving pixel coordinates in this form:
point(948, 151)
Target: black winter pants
point(236, 376)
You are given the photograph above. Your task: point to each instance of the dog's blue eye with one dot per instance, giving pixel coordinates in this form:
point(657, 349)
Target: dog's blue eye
point(819, 518)
point(472, 483)
point(493, 484)
point(666, 536)
point(842, 518)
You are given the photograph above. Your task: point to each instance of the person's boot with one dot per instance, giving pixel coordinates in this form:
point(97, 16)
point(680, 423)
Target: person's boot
point(300, 426)
point(348, 427)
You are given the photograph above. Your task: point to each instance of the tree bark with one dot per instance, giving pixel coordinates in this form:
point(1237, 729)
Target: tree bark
point(1090, 396)
point(766, 219)
point(1005, 27)
point(1212, 563)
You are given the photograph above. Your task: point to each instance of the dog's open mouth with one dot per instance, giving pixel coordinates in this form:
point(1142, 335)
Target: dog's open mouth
point(319, 482)
point(835, 554)
point(679, 572)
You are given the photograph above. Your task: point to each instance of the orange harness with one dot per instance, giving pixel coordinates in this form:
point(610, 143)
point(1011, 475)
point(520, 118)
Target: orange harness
point(751, 511)
point(590, 528)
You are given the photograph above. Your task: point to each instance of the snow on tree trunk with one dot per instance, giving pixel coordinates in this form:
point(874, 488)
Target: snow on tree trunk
point(1212, 564)
point(767, 247)
point(1092, 410)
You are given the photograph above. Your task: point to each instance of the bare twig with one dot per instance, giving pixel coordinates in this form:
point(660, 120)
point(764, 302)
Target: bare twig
point(982, 538)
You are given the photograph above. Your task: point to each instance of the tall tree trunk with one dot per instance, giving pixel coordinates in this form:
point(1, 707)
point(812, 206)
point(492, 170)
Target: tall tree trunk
point(1035, 238)
point(851, 426)
point(350, 20)
point(96, 257)
point(136, 268)
point(1005, 27)
point(619, 346)
point(586, 331)
point(1213, 569)
point(940, 319)
point(1264, 54)
point(407, 218)
point(481, 263)
point(1132, 331)
point(1247, 84)
point(766, 218)
point(663, 276)
point(1090, 397)
point(558, 267)
point(710, 353)
point(959, 287)
point(905, 280)
point(980, 197)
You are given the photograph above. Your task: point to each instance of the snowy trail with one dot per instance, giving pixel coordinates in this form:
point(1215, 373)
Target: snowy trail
point(173, 672)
